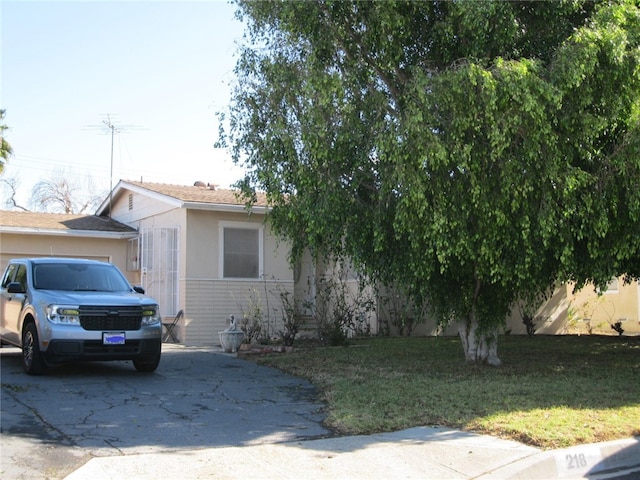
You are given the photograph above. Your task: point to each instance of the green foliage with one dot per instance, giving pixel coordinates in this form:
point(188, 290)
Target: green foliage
point(397, 314)
point(473, 153)
point(291, 318)
point(598, 73)
point(341, 309)
point(261, 324)
point(5, 148)
point(252, 322)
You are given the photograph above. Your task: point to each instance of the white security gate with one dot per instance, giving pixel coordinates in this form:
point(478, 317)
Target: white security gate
point(159, 262)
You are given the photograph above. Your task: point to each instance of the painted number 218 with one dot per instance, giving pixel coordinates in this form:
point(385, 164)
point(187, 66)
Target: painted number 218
point(577, 460)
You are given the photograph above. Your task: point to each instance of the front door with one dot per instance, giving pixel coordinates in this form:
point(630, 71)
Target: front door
point(159, 267)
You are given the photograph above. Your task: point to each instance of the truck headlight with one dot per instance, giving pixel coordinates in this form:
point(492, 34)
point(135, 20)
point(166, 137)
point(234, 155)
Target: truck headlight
point(63, 314)
point(151, 315)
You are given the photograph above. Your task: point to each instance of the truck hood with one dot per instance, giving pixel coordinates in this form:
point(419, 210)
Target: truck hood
point(95, 298)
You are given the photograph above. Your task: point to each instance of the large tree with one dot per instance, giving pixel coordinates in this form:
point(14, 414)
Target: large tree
point(472, 152)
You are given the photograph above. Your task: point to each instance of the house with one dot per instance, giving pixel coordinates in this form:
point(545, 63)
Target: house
point(200, 250)
point(565, 312)
point(589, 311)
point(192, 248)
point(195, 249)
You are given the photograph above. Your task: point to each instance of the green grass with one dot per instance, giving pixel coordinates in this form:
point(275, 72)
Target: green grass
point(552, 392)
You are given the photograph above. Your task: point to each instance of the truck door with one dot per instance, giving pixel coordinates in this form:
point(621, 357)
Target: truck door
point(11, 303)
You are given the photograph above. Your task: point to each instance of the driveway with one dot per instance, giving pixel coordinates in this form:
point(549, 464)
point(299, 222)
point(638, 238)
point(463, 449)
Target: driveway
point(198, 398)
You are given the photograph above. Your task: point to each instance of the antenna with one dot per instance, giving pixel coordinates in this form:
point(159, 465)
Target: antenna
point(108, 127)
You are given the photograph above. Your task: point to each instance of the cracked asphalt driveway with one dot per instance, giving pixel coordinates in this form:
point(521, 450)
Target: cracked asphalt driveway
point(198, 398)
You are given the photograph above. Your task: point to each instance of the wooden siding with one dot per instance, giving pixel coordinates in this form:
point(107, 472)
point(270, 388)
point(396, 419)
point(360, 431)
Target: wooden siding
point(140, 207)
point(209, 303)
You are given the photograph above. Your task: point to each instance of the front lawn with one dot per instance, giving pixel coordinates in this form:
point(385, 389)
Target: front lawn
point(552, 392)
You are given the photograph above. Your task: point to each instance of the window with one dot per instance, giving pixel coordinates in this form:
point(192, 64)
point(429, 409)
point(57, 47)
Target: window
point(241, 251)
point(613, 286)
point(8, 276)
point(21, 276)
point(133, 255)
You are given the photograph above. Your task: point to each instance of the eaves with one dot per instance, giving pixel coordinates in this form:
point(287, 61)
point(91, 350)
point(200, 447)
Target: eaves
point(69, 233)
point(224, 207)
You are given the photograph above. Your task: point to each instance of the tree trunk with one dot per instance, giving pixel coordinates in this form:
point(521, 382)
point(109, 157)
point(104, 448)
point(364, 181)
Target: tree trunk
point(479, 347)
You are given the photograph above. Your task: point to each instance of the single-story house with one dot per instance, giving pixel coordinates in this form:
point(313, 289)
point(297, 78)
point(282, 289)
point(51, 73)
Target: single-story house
point(195, 249)
point(200, 250)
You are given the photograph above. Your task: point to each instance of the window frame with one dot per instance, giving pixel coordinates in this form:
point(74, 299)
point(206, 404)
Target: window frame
point(9, 274)
point(241, 226)
point(133, 254)
point(613, 286)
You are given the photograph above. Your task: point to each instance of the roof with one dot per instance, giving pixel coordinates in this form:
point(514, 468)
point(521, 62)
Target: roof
point(200, 194)
point(16, 221)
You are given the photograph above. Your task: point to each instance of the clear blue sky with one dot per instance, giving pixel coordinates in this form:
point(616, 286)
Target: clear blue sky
point(161, 69)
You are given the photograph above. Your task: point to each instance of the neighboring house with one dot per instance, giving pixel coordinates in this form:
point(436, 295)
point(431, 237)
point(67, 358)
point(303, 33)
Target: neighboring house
point(586, 311)
point(30, 234)
point(565, 313)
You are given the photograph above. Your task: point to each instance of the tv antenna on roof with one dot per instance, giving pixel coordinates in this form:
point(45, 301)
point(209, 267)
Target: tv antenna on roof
point(108, 127)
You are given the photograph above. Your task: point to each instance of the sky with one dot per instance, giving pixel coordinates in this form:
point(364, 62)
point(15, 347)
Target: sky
point(157, 70)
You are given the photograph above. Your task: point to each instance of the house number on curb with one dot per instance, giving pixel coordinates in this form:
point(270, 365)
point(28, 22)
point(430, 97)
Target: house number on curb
point(573, 462)
point(577, 460)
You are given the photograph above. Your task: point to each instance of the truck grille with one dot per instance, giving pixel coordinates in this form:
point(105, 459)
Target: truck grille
point(110, 318)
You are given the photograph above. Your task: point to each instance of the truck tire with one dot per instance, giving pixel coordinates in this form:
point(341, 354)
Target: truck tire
point(32, 360)
point(147, 364)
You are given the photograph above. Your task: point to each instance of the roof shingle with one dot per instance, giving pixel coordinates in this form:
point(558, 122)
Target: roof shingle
point(60, 221)
point(197, 194)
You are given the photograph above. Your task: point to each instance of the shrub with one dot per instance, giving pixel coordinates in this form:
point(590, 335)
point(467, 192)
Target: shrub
point(340, 310)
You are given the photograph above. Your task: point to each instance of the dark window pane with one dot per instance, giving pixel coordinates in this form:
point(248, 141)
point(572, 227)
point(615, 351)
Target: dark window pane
point(241, 253)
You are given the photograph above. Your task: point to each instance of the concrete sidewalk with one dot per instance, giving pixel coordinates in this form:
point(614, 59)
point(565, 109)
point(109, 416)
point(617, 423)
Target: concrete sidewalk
point(416, 453)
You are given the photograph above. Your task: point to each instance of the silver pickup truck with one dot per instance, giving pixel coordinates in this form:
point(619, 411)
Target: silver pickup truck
point(61, 310)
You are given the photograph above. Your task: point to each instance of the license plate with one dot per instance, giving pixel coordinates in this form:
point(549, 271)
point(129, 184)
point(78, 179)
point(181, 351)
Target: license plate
point(113, 338)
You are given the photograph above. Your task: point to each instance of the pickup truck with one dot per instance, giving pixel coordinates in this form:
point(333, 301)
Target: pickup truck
point(61, 310)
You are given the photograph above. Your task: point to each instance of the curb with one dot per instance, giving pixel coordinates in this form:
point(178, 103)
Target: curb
point(592, 461)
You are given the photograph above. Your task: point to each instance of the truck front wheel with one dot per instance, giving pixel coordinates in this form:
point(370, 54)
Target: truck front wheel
point(147, 365)
point(32, 360)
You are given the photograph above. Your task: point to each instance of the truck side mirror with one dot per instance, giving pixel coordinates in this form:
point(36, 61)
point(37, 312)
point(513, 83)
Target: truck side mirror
point(15, 287)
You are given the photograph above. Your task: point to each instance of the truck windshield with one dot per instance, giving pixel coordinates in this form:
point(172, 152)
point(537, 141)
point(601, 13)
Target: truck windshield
point(75, 277)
